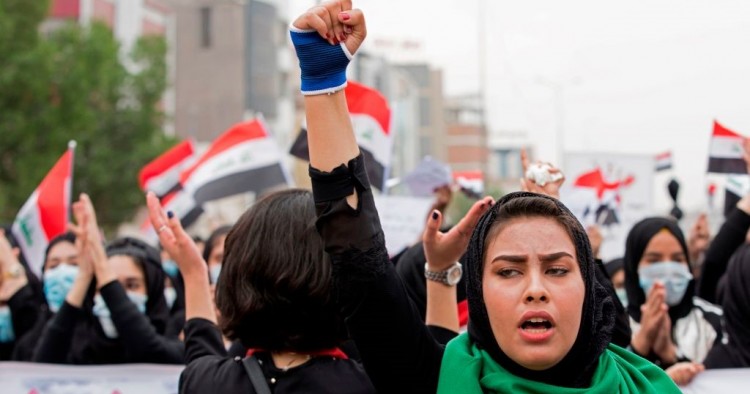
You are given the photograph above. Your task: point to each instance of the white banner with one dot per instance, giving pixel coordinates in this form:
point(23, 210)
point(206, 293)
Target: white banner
point(403, 219)
point(27, 378)
point(735, 380)
point(613, 191)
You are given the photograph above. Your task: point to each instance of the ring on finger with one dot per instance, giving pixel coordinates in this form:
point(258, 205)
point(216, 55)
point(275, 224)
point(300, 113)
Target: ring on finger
point(162, 228)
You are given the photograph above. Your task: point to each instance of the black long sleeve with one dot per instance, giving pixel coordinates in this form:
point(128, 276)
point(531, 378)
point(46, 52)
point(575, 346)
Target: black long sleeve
point(57, 337)
point(24, 308)
point(730, 237)
point(397, 350)
point(202, 338)
point(136, 333)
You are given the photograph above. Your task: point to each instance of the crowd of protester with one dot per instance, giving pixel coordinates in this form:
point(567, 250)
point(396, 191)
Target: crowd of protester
point(300, 294)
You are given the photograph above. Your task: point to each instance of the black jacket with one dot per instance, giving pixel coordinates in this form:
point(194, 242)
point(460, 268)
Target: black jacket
point(73, 336)
point(210, 369)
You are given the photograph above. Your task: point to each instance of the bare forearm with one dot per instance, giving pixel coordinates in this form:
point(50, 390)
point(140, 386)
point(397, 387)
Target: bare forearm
point(79, 289)
point(442, 306)
point(330, 136)
point(198, 298)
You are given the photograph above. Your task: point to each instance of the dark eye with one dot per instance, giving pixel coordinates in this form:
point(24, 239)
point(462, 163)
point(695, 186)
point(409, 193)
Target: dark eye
point(509, 272)
point(558, 271)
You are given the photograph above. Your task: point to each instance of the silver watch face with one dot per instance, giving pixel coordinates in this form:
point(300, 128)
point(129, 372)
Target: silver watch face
point(454, 274)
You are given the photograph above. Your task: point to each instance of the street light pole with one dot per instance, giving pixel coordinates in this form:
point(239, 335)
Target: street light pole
point(558, 91)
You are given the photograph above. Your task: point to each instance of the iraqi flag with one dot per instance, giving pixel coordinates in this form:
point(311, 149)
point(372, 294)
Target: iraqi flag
point(243, 159)
point(45, 214)
point(371, 119)
point(183, 206)
point(725, 154)
point(735, 188)
point(663, 161)
point(162, 175)
point(470, 182)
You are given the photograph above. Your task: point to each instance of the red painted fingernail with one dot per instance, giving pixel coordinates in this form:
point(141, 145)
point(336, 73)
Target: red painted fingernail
point(344, 16)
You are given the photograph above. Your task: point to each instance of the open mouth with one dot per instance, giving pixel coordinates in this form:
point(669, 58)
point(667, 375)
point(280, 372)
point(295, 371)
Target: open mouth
point(536, 325)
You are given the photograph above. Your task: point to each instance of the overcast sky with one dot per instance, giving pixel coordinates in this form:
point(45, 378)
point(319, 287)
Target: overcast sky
point(636, 76)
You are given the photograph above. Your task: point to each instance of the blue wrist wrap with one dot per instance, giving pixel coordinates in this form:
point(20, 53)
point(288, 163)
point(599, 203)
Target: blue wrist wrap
point(322, 65)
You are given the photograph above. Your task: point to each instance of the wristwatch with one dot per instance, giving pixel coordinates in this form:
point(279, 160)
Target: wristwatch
point(13, 272)
point(449, 277)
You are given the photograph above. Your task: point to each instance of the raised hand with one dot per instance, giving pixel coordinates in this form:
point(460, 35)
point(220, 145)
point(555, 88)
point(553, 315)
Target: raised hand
point(7, 257)
point(175, 240)
point(9, 264)
point(551, 189)
point(699, 237)
point(91, 252)
point(443, 249)
point(653, 313)
point(185, 253)
point(335, 21)
point(595, 238)
point(664, 346)
point(90, 243)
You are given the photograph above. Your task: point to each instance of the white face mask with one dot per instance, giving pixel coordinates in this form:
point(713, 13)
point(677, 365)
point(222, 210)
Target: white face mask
point(675, 277)
point(214, 272)
point(101, 311)
point(622, 294)
point(170, 295)
point(57, 283)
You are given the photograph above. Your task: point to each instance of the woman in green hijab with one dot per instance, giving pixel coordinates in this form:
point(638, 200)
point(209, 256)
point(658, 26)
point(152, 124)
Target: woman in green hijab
point(538, 319)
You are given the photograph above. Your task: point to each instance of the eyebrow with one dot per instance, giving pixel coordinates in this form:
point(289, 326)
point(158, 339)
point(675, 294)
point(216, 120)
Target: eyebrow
point(520, 259)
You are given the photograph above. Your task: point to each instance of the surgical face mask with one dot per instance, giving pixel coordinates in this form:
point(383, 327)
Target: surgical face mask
point(622, 294)
point(57, 283)
point(213, 272)
point(6, 325)
point(170, 268)
point(675, 277)
point(101, 311)
point(170, 295)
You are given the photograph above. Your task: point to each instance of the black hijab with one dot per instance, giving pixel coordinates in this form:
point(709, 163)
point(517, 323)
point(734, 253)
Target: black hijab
point(735, 300)
point(90, 345)
point(149, 258)
point(638, 238)
point(598, 311)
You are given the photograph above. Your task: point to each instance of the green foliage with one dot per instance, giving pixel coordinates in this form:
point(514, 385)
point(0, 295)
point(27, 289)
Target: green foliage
point(73, 84)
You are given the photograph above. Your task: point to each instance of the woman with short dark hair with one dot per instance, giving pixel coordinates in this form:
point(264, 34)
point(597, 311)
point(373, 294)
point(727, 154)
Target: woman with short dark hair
point(273, 295)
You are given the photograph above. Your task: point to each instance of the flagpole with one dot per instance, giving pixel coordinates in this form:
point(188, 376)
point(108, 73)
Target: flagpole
point(72, 148)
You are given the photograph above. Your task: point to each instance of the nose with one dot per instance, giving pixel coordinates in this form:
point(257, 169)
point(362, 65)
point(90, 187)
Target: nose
point(535, 289)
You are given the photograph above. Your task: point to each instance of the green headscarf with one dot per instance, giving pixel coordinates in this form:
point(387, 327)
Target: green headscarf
point(468, 369)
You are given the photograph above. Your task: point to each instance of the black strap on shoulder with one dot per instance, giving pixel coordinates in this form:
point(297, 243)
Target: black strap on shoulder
point(256, 375)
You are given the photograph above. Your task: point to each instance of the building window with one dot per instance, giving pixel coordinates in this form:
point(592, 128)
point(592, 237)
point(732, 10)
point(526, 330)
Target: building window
point(205, 27)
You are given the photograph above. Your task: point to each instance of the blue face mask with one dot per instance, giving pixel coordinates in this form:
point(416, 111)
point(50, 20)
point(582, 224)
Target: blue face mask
point(622, 294)
point(57, 283)
point(6, 325)
point(101, 311)
point(675, 276)
point(214, 273)
point(170, 268)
